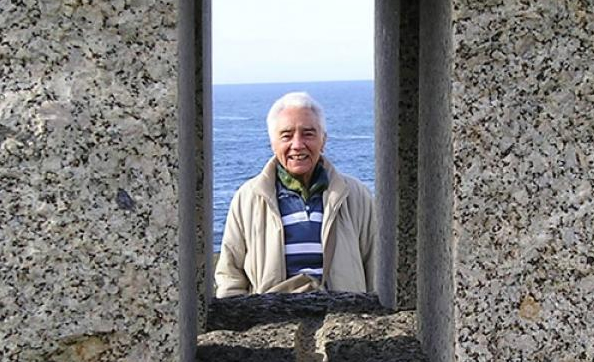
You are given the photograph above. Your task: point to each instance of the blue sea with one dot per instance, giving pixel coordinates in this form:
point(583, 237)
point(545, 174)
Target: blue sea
point(241, 145)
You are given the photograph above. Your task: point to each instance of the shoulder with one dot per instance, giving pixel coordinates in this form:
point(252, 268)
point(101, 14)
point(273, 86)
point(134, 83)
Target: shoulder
point(355, 186)
point(259, 186)
point(247, 189)
point(359, 202)
point(248, 185)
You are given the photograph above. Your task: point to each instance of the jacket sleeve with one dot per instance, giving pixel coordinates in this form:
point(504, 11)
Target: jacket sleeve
point(230, 277)
point(368, 239)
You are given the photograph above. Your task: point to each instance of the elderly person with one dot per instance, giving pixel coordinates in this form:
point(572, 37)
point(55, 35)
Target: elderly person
point(300, 225)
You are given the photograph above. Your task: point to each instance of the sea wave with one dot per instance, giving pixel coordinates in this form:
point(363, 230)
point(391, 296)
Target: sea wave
point(232, 118)
point(351, 137)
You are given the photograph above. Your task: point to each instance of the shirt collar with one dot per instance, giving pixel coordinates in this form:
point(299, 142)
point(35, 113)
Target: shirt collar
point(318, 185)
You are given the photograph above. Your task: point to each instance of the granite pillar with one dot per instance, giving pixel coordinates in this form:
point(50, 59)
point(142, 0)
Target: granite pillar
point(435, 171)
point(88, 181)
point(195, 176)
point(396, 115)
point(408, 122)
point(505, 180)
point(387, 19)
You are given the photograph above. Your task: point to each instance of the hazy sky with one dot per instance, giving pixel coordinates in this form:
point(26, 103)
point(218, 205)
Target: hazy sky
point(262, 41)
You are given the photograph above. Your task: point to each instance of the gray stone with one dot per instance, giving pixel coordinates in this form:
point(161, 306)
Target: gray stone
point(87, 107)
point(505, 167)
point(308, 327)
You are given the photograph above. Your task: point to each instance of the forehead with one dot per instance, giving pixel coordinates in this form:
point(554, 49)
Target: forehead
point(293, 117)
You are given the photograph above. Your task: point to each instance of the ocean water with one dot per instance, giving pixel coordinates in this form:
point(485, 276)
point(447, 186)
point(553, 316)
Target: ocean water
point(241, 145)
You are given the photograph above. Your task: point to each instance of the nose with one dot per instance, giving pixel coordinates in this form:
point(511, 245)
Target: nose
point(297, 142)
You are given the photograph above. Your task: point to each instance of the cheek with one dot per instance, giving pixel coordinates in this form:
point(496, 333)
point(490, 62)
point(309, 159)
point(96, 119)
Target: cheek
point(281, 152)
point(317, 147)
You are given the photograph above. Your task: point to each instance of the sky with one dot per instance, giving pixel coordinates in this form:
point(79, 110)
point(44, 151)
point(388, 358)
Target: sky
point(276, 41)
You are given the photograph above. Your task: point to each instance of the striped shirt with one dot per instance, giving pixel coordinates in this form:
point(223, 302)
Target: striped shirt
point(302, 224)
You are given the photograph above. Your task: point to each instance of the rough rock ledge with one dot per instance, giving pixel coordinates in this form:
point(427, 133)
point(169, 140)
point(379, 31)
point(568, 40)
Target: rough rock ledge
point(311, 327)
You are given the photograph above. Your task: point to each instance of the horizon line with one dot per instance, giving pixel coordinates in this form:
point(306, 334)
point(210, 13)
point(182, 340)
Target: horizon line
point(295, 82)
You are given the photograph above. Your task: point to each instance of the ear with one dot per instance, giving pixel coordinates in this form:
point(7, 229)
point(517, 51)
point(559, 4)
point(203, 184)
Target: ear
point(324, 138)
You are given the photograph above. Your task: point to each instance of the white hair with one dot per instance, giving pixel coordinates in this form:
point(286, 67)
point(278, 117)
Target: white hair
point(295, 100)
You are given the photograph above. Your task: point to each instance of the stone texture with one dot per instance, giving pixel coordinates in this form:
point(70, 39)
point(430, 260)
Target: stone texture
point(523, 128)
point(367, 337)
point(387, 182)
point(267, 342)
point(243, 312)
point(408, 143)
point(88, 169)
point(308, 327)
point(435, 285)
point(396, 148)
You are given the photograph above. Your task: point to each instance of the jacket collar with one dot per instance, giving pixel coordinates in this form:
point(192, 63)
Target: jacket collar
point(265, 184)
point(287, 181)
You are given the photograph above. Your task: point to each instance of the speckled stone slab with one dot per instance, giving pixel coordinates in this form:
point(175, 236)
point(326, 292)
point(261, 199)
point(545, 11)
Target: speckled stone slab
point(523, 130)
point(365, 337)
point(310, 327)
point(267, 342)
point(88, 174)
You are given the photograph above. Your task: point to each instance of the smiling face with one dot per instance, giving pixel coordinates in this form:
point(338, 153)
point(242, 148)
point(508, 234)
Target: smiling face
point(297, 142)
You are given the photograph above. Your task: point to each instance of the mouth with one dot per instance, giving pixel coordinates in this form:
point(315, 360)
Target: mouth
point(299, 157)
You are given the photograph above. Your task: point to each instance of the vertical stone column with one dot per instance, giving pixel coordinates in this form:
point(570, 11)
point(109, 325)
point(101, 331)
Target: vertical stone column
point(435, 244)
point(386, 85)
point(407, 164)
point(396, 114)
point(195, 177)
point(517, 224)
point(88, 175)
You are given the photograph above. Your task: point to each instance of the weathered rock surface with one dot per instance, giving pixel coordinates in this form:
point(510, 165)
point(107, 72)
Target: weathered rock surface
point(308, 327)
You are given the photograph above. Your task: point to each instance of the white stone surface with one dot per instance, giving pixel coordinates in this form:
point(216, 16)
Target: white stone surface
point(88, 108)
point(523, 135)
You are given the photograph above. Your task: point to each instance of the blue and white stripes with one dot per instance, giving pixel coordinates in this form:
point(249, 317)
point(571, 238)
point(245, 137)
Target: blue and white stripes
point(302, 223)
point(301, 216)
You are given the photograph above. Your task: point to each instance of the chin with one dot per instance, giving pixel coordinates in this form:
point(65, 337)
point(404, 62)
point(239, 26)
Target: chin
point(299, 170)
point(297, 173)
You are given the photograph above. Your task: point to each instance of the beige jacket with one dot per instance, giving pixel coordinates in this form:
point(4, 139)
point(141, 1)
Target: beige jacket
point(252, 258)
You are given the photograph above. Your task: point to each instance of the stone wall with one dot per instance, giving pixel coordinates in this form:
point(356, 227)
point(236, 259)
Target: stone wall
point(308, 327)
point(89, 165)
point(523, 130)
point(506, 105)
point(88, 174)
